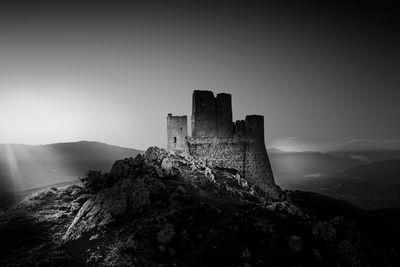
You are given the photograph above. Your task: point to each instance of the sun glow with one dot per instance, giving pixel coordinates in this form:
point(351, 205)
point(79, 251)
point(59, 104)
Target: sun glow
point(33, 119)
point(37, 117)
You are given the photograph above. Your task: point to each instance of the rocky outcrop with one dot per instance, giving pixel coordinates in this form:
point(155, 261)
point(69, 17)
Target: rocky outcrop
point(140, 178)
point(125, 197)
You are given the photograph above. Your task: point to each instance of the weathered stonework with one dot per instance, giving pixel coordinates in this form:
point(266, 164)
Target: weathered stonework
point(219, 142)
point(221, 152)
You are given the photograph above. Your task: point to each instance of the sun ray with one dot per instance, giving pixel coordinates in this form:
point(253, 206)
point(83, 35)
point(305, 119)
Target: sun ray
point(35, 166)
point(13, 168)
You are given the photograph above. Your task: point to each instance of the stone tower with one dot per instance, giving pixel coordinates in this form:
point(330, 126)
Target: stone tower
point(211, 116)
point(177, 132)
point(257, 166)
point(224, 115)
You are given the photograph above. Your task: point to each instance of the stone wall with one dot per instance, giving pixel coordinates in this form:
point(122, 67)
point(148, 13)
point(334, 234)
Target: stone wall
point(220, 152)
point(239, 128)
point(248, 157)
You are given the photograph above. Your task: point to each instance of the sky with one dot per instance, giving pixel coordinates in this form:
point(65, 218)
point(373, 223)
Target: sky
point(111, 71)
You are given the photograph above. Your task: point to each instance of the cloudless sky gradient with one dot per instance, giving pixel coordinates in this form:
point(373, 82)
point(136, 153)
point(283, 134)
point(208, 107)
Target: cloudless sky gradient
point(111, 71)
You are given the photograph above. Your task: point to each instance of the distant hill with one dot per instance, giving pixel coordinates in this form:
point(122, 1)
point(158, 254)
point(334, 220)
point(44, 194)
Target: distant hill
point(83, 156)
point(370, 186)
point(334, 144)
point(367, 156)
point(293, 168)
point(34, 166)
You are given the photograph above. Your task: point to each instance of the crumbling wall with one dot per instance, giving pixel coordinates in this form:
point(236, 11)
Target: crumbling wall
point(239, 128)
point(220, 152)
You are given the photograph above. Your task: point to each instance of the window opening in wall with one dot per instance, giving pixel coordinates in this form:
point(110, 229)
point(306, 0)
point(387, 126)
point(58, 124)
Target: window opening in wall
point(181, 129)
point(174, 139)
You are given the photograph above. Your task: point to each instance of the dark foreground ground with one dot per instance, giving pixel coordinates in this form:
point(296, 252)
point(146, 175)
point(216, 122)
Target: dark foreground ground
point(166, 210)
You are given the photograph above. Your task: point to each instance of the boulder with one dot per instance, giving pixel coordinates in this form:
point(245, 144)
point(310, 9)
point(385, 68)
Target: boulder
point(166, 167)
point(166, 234)
point(102, 209)
point(295, 243)
point(324, 231)
point(155, 154)
point(348, 254)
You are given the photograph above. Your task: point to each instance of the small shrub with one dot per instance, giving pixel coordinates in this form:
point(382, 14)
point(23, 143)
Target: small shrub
point(96, 181)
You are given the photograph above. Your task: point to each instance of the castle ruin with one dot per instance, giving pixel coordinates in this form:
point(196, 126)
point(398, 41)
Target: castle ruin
point(220, 142)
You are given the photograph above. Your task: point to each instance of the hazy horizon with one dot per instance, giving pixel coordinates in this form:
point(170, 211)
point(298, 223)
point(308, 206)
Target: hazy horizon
point(289, 144)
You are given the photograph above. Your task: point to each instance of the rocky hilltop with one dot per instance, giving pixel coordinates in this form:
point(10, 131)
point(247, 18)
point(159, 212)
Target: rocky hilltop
point(163, 209)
